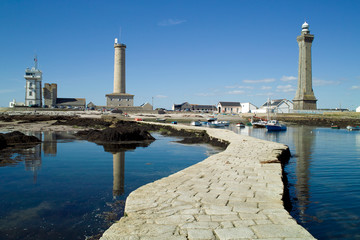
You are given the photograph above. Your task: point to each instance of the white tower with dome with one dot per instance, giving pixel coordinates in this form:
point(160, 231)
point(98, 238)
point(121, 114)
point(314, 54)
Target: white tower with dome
point(33, 94)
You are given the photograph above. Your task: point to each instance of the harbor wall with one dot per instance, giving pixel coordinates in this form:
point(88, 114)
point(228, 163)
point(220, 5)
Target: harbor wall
point(235, 194)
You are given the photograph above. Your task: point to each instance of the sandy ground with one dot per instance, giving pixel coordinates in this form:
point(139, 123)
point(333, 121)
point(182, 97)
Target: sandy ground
point(34, 127)
point(185, 118)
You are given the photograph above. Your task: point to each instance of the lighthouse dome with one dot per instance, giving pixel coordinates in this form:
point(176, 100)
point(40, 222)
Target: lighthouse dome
point(305, 28)
point(305, 25)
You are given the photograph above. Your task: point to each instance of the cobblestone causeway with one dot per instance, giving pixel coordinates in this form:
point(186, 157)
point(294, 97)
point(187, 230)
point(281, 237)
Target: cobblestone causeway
point(232, 195)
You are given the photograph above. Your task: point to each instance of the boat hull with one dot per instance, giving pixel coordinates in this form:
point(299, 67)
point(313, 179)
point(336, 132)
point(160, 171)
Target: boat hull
point(274, 128)
point(351, 128)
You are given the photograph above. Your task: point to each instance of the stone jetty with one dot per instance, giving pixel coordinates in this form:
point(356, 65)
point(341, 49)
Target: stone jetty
point(235, 194)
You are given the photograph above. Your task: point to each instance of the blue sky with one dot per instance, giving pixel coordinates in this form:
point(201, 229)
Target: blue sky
point(198, 51)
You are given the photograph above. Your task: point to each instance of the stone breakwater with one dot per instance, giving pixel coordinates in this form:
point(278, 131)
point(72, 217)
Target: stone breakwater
point(235, 194)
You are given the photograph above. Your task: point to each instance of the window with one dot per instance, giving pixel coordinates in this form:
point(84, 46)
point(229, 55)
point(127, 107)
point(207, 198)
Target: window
point(30, 93)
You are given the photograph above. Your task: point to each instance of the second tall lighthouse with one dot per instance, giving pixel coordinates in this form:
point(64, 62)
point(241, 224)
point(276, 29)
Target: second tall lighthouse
point(119, 98)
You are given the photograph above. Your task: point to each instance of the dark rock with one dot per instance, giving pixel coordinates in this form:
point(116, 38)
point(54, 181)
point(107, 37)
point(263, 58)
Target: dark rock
point(17, 137)
point(3, 143)
point(117, 111)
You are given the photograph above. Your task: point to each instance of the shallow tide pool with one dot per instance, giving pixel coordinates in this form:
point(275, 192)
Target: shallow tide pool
point(71, 189)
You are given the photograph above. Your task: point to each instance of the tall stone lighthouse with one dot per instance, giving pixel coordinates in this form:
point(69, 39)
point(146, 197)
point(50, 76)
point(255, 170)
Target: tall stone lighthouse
point(304, 97)
point(119, 98)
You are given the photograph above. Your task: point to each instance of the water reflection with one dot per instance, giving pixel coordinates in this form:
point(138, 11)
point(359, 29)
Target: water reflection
point(119, 173)
point(33, 157)
point(303, 138)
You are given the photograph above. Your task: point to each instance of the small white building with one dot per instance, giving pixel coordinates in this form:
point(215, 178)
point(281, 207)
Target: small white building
point(33, 90)
point(276, 106)
point(229, 107)
point(358, 109)
point(247, 107)
point(16, 104)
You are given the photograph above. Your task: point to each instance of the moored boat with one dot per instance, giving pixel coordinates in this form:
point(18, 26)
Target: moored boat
point(259, 124)
point(224, 123)
point(274, 125)
point(241, 125)
point(351, 128)
point(333, 126)
point(161, 120)
point(195, 123)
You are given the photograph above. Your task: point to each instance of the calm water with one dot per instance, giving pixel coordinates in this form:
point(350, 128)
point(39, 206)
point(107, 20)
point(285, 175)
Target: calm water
point(71, 189)
point(324, 177)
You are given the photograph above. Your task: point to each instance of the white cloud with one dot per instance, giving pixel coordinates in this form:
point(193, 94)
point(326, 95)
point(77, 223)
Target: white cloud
point(171, 22)
point(7, 90)
point(240, 87)
point(355, 87)
point(266, 80)
point(288, 78)
point(285, 88)
point(320, 82)
point(236, 92)
point(265, 94)
point(161, 96)
point(266, 87)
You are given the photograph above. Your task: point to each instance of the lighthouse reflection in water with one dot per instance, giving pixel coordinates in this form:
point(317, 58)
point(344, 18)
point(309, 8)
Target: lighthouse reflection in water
point(64, 188)
point(323, 176)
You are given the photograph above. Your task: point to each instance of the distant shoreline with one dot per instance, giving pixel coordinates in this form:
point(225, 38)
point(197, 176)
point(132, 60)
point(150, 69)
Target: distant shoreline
point(341, 119)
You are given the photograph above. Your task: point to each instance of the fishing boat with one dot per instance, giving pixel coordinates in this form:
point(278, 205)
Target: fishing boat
point(333, 126)
point(274, 125)
point(211, 119)
point(351, 128)
point(240, 125)
point(259, 124)
point(161, 120)
point(225, 123)
point(195, 123)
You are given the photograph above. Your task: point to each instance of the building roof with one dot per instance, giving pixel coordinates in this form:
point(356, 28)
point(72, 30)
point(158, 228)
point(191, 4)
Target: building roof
point(203, 106)
point(274, 103)
point(145, 104)
point(71, 101)
point(232, 104)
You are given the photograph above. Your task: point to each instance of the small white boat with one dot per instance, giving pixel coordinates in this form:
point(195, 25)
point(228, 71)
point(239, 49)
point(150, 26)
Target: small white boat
point(195, 123)
point(259, 124)
point(351, 128)
point(225, 123)
point(241, 125)
point(161, 120)
point(213, 124)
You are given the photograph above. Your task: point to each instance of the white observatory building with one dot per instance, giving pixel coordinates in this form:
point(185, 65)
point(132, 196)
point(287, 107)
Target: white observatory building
point(33, 77)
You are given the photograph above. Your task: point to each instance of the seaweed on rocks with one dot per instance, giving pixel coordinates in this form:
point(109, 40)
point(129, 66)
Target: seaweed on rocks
point(115, 135)
point(82, 122)
point(127, 135)
point(18, 138)
point(189, 136)
point(15, 142)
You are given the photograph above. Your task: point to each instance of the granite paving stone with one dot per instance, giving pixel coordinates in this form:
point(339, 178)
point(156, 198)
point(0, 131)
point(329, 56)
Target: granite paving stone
point(231, 195)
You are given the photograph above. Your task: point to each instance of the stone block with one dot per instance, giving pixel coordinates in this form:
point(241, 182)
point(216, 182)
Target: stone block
point(234, 233)
point(280, 231)
point(200, 234)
